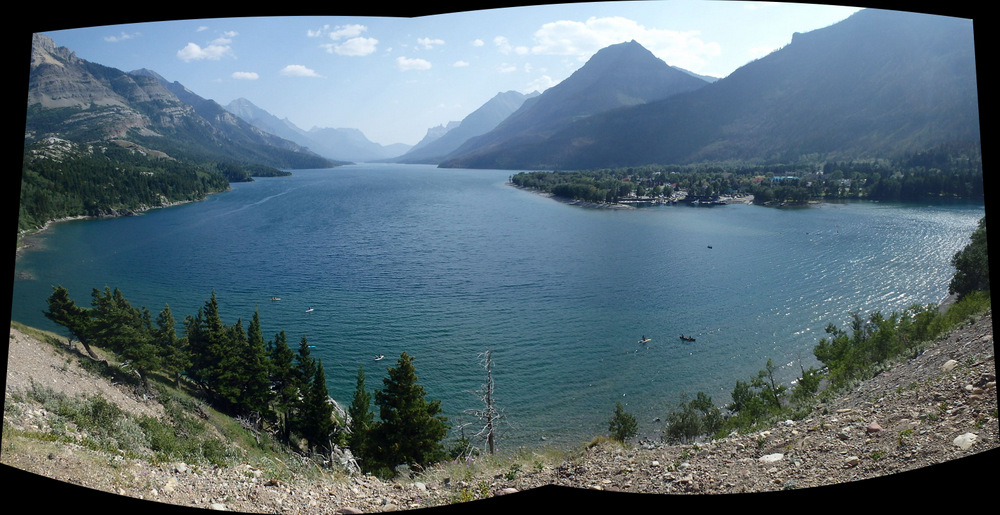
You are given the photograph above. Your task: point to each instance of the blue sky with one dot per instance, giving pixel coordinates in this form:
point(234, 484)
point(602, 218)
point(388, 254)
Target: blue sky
point(394, 78)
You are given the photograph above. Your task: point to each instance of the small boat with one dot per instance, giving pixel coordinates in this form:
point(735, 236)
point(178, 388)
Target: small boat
point(275, 298)
point(309, 310)
point(645, 340)
point(379, 357)
point(687, 338)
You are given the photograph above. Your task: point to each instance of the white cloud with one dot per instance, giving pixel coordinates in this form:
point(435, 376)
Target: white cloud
point(213, 52)
point(429, 43)
point(406, 64)
point(503, 46)
point(347, 40)
point(121, 37)
point(353, 47)
point(347, 31)
point(477, 42)
point(583, 39)
point(245, 75)
point(297, 70)
point(460, 64)
point(540, 84)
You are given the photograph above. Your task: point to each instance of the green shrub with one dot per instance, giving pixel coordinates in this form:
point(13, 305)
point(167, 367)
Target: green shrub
point(622, 425)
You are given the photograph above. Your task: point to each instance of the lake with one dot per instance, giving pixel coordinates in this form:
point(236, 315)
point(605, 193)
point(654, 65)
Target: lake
point(447, 263)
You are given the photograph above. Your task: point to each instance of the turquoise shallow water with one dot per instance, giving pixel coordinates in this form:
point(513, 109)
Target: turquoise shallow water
point(444, 264)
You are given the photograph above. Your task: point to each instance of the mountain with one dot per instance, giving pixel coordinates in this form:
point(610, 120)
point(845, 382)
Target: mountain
point(435, 146)
point(879, 84)
point(265, 121)
point(338, 144)
point(433, 134)
point(83, 102)
point(625, 74)
point(350, 144)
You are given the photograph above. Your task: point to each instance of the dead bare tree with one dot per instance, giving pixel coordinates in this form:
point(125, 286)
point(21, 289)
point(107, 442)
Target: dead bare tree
point(489, 414)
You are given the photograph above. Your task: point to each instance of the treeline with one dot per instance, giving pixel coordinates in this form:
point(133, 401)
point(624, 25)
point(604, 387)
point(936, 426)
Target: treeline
point(265, 383)
point(69, 179)
point(947, 172)
point(847, 356)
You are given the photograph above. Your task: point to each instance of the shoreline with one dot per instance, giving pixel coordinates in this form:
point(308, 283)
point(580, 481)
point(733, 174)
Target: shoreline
point(748, 200)
point(25, 238)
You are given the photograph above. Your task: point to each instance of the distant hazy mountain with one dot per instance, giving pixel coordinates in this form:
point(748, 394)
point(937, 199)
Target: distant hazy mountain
point(340, 144)
point(484, 119)
point(625, 74)
point(75, 100)
point(435, 133)
point(878, 84)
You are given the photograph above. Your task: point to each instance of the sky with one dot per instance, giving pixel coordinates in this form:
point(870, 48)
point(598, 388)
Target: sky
point(394, 78)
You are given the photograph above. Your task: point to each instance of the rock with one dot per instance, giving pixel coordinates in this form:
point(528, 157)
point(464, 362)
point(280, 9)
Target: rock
point(874, 427)
point(965, 441)
point(506, 491)
point(771, 458)
point(949, 365)
point(852, 461)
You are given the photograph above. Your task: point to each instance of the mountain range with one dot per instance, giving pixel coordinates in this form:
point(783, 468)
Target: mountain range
point(436, 145)
point(79, 101)
point(878, 84)
point(341, 144)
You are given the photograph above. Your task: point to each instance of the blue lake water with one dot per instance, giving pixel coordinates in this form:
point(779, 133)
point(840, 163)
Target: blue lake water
point(444, 264)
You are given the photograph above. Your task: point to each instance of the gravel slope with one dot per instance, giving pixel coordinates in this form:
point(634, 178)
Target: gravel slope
point(939, 408)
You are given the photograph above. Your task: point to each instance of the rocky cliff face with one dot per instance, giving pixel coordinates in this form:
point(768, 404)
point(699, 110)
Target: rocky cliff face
point(106, 97)
point(84, 102)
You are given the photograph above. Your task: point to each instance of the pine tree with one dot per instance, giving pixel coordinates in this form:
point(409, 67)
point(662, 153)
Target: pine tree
point(123, 329)
point(305, 363)
point(284, 382)
point(316, 413)
point(173, 356)
point(228, 373)
point(205, 333)
point(64, 311)
point(362, 419)
point(256, 395)
point(411, 428)
point(972, 265)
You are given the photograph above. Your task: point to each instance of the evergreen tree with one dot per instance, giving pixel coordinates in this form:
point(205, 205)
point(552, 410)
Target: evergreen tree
point(361, 419)
point(173, 355)
point(972, 265)
point(64, 311)
point(228, 373)
point(125, 330)
point(284, 381)
point(206, 334)
point(256, 396)
point(142, 352)
point(411, 428)
point(305, 363)
point(316, 414)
